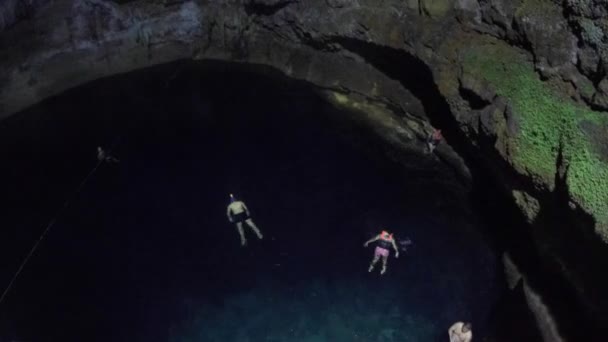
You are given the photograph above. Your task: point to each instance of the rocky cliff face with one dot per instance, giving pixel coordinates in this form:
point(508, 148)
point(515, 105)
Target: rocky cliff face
point(520, 86)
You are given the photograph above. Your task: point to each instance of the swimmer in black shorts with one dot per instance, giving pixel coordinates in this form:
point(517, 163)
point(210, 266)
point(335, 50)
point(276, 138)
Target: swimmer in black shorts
point(238, 213)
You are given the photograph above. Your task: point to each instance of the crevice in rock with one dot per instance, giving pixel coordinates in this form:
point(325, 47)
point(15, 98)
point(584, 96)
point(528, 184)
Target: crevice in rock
point(168, 3)
point(265, 9)
point(553, 227)
point(561, 169)
point(325, 45)
point(475, 101)
point(565, 228)
point(401, 66)
point(12, 12)
point(412, 73)
point(122, 2)
point(575, 26)
point(417, 77)
point(520, 40)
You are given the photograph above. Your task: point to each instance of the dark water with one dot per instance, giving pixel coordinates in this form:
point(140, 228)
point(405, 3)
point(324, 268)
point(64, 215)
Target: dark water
point(144, 252)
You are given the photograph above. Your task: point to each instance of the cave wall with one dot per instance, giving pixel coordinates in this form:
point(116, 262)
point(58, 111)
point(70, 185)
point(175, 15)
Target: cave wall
point(524, 83)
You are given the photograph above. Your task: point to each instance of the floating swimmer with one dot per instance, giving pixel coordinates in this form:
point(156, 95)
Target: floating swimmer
point(460, 332)
point(385, 242)
point(238, 213)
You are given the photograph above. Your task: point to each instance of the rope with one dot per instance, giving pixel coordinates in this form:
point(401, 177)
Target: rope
point(48, 227)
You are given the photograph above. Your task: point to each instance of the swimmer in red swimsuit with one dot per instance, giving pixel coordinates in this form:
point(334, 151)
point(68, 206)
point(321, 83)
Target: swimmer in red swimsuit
point(385, 242)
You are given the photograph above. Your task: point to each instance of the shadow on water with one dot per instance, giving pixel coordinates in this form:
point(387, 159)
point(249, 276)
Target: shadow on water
point(145, 252)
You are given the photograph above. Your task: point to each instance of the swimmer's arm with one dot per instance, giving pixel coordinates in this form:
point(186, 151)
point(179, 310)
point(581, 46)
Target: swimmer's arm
point(395, 247)
point(371, 240)
point(228, 212)
point(452, 331)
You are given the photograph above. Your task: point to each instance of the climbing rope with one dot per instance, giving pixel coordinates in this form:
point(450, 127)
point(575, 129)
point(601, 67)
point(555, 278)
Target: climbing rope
point(51, 224)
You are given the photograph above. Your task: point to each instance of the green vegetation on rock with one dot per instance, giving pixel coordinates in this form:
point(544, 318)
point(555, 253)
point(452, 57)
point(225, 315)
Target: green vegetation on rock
point(586, 88)
point(536, 8)
point(547, 118)
point(591, 33)
point(436, 8)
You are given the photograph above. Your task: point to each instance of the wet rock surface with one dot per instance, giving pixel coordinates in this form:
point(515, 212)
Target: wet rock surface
point(518, 87)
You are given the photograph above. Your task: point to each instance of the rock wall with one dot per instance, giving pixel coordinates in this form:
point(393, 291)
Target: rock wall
point(13, 11)
point(520, 85)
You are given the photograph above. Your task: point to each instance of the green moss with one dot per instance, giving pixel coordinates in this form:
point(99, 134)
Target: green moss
point(547, 118)
point(537, 8)
point(436, 8)
point(580, 7)
point(591, 33)
point(586, 88)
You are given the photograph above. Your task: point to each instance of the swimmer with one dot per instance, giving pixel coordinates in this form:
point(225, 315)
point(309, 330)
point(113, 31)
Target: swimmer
point(105, 157)
point(238, 213)
point(460, 332)
point(385, 242)
point(434, 139)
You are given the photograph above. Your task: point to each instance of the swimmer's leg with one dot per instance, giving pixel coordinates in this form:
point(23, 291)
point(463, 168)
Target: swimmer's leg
point(239, 227)
point(374, 262)
point(255, 228)
point(384, 261)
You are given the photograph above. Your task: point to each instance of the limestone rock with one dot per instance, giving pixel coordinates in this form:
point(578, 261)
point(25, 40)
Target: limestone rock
point(13, 11)
point(500, 14)
point(529, 205)
point(512, 273)
point(589, 60)
point(543, 26)
point(543, 315)
point(340, 3)
point(601, 96)
point(436, 8)
point(477, 87)
point(469, 10)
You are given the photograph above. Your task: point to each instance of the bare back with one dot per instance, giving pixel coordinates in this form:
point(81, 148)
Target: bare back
point(457, 335)
point(237, 207)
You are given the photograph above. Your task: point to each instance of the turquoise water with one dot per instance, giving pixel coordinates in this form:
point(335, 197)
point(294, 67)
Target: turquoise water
point(423, 292)
point(312, 311)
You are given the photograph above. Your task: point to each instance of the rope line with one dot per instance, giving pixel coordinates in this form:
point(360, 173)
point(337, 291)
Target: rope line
point(48, 227)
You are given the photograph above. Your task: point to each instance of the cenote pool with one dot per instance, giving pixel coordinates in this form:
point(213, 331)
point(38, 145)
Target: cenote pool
point(144, 252)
